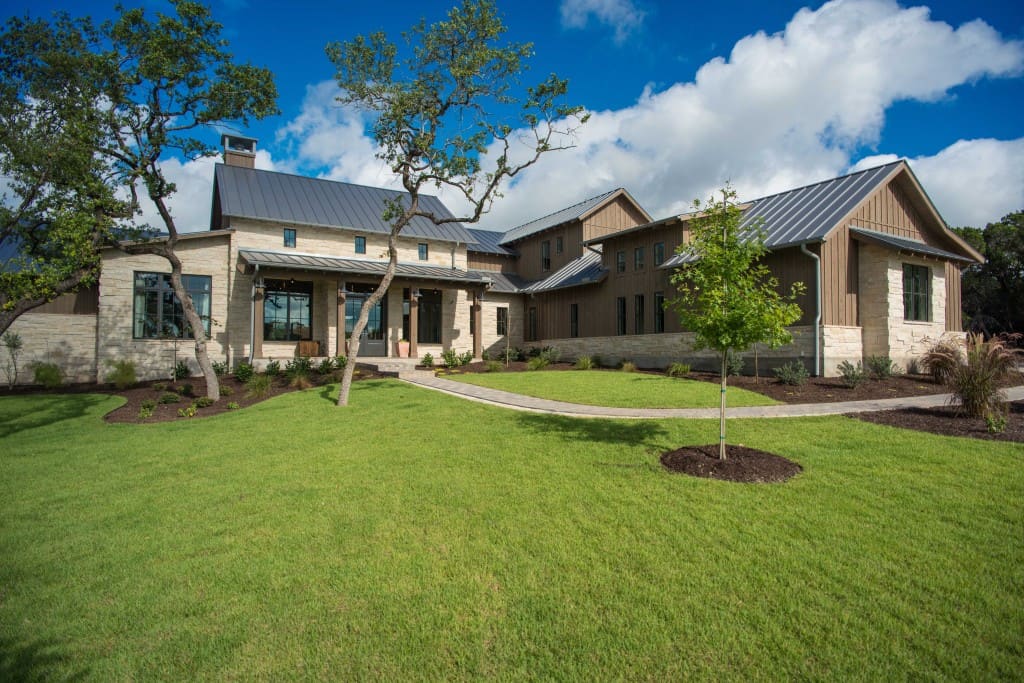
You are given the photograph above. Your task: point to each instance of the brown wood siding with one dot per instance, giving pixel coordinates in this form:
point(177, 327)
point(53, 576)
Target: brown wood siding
point(839, 278)
point(83, 302)
point(890, 210)
point(954, 305)
point(491, 262)
point(620, 214)
point(529, 264)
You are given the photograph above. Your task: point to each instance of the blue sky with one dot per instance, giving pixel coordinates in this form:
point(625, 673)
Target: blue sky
point(768, 95)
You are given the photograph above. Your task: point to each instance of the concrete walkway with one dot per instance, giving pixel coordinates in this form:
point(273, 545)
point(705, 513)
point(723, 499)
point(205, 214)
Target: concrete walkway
point(507, 399)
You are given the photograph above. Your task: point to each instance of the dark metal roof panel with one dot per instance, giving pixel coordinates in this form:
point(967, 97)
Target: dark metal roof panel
point(504, 283)
point(267, 195)
point(333, 264)
point(904, 244)
point(586, 270)
point(557, 218)
point(487, 242)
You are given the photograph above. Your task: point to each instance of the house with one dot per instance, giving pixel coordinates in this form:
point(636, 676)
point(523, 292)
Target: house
point(288, 262)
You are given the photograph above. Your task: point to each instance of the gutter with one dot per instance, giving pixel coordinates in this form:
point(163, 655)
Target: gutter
point(817, 312)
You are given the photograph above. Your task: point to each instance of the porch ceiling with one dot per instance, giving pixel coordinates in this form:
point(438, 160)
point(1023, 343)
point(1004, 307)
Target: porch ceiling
point(333, 264)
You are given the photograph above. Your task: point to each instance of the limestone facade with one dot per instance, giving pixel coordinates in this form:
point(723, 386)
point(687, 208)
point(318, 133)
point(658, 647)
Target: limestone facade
point(68, 341)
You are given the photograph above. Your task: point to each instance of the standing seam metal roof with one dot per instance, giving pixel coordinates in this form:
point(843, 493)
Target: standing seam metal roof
point(272, 196)
point(556, 218)
point(586, 270)
point(487, 242)
point(358, 266)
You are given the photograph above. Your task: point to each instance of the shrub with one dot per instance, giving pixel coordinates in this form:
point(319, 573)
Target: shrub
point(273, 368)
point(628, 366)
point(159, 386)
point(597, 361)
point(189, 411)
point(427, 361)
point(584, 363)
point(203, 402)
point(258, 386)
point(123, 374)
point(186, 389)
point(340, 362)
point(300, 381)
point(181, 370)
point(145, 412)
point(13, 343)
point(466, 358)
point(149, 403)
point(169, 398)
point(451, 359)
point(219, 368)
point(494, 366)
point(678, 370)
point(244, 372)
point(226, 390)
point(325, 367)
point(537, 363)
point(793, 373)
point(995, 423)
point(551, 353)
point(512, 354)
point(733, 364)
point(881, 367)
point(975, 373)
point(852, 375)
point(232, 406)
point(298, 366)
point(47, 374)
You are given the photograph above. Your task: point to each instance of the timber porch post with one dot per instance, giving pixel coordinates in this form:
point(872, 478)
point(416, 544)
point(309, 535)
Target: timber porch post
point(477, 332)
point(341, 349)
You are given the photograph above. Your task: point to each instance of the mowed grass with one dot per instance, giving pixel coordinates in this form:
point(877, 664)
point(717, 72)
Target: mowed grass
point(416, 536)
point(614, 389)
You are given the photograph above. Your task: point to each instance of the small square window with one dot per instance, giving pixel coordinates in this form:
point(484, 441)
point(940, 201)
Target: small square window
point(289, 237)
point(424, 251)
point(360, 245)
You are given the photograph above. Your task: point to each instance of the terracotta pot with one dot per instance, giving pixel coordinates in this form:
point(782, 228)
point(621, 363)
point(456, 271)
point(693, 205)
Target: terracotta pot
point(403, 349)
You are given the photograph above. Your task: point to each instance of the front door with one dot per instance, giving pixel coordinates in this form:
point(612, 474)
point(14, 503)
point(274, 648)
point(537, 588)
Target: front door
point(373, 341)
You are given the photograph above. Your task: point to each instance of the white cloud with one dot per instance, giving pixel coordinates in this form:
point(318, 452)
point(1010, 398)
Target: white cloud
point(622, 15)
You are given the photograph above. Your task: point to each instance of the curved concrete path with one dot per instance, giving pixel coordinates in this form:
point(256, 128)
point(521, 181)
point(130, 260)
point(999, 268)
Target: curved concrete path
point(542, 405)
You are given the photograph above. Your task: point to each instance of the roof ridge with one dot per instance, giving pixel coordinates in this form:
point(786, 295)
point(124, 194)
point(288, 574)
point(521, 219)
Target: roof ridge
point(822, 182)
point(324, 180)
point(565, 208)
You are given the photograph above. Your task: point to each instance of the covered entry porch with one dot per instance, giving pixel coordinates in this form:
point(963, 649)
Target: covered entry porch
point(306, 305)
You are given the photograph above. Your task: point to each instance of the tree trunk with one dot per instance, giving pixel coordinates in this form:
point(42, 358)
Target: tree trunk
point(721, 413)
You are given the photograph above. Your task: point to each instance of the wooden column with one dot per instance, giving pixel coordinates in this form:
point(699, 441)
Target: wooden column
point(477, 332)
point(340, 349)
point(257, 323)
point(414, 323)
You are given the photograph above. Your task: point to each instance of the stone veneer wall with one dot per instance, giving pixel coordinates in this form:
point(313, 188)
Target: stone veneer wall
point(493, 343)
point(886, 333)
point(69, 341)
point(840, 343)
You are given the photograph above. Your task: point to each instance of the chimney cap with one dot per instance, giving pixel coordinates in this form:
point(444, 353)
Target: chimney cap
point(239, 144)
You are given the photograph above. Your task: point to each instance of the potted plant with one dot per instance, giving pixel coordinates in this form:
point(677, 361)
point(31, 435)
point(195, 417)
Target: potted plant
point(403, 348)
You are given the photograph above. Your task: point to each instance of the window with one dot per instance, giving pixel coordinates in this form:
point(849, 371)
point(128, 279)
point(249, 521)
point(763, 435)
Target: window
point(574, 320)
point(638, 258)
point(424, 251)
point(659, 311)
point(916, 292)
point(286, 310)
point(559, 245)
point(289, 237)
point(429, 322)
point(620, 315)
point(531, 329)
point(545, 255)
point(158, 313)
point(360, 245)
point(659, 253)
point(638, 314)
point(620, 262)
point(502, 321)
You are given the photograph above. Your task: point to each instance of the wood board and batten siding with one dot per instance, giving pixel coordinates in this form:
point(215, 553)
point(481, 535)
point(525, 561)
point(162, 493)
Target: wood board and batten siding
point(619, 214)
point(493, 263)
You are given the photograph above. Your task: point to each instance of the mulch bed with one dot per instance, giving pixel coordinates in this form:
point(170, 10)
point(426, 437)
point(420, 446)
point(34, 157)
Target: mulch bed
point(742, 464)
point(946, 421)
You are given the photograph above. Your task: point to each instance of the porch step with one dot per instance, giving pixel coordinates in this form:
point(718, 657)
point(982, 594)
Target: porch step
point(389, 366)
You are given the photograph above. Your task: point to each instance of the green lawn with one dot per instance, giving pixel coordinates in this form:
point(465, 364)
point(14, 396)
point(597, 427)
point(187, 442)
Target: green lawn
point(417, 536)
point(614, 389)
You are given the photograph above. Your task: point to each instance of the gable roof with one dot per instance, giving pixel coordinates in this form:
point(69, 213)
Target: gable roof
point(575, 212)
point(487, 242)
point(272, 196)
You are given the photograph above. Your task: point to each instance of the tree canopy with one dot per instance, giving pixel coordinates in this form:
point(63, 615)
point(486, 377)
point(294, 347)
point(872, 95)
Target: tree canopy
point(993, 292)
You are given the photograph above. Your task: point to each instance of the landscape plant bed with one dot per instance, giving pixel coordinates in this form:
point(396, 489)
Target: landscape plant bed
point(946, 421)
point(742, 464)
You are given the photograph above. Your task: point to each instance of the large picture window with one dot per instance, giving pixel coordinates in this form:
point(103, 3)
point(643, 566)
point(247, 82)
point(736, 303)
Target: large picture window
point(158, 313)
point(286, 310)
point(429, 321)
point(916, 292)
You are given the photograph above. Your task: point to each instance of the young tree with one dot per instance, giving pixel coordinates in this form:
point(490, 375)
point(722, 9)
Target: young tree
point(727, 296)
point(153, 85)
point(439, 111)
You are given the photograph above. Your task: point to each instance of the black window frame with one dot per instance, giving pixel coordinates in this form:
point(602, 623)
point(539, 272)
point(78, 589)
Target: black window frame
point(574, 320)
point(176, 327)
point(658, 253)
point(501, 320)
point(620, 261)
point(659, 312)
point(360, 244)
point(290, 290)
point(559, 245)
point(545, 255)
point(430, 317)
point(620, 315)
point(917, 304)
point(638, 314)
point(290, 237)
point(531, 323)
point(638, 258)
point(423, 251)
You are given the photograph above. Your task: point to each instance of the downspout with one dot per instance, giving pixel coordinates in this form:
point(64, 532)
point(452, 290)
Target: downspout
point(252, 313)
point(817, 307)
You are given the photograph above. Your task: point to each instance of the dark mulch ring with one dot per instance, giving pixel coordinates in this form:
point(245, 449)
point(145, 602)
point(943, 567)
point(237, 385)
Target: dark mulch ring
point(235, 393)
point(742, 464)
point(946, 421)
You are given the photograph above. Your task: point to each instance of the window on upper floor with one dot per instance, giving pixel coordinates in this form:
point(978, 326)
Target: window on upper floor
point(424, 251)
point(620, 262)
point(638, 258)
point(545, 255)
point(360, 244)
point(158, 313)
point(559, 245)
point(917, 291)
point(289, 237)
point(659, 253)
